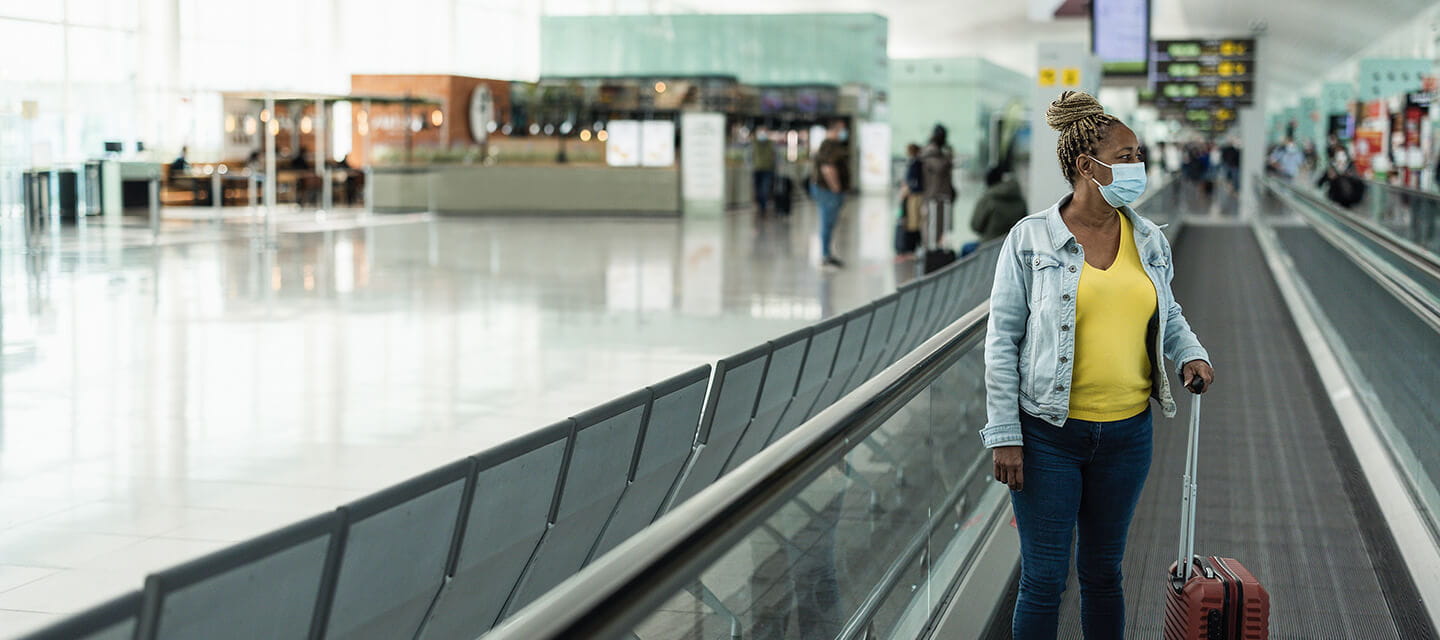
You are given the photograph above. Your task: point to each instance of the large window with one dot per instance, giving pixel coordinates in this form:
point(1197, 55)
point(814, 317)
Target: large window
point(77, 73)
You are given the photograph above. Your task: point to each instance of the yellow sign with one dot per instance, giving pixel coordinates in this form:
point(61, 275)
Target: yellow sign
point(1070, 77)
point(1047, 76)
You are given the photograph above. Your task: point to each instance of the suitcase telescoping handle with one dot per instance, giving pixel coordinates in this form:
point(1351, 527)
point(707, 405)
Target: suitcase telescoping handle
point(1187, 488)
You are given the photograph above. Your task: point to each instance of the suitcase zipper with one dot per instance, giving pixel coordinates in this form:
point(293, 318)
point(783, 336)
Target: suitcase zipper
point(1238, 626)
point(1225, 624)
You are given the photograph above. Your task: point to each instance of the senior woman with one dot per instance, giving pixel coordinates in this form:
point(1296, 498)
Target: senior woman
point(1080, 315)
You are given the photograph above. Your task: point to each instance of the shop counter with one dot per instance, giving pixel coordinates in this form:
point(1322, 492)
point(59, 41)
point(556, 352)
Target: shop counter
point(547, 189)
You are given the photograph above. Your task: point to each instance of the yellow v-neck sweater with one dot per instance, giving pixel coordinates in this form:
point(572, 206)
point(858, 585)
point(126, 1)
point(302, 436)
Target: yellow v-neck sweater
point(1111, 380)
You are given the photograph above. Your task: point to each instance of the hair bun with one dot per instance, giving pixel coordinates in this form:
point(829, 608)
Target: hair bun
point(1072, 107)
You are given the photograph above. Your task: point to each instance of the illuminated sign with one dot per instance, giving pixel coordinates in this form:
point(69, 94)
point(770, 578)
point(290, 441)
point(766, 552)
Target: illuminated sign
point(1215, 69)
point(1120, 35)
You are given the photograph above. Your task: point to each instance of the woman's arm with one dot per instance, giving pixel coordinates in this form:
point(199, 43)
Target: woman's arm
point(1009, 317)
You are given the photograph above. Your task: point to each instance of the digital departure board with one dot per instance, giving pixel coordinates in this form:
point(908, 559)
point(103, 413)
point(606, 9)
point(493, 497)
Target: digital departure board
point(1119, 35)
point(1219, 69)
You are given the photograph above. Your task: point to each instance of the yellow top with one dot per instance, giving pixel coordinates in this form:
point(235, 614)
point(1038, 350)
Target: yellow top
point(1113, 307)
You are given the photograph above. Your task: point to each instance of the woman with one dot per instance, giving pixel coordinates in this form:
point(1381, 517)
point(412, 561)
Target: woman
point(1080, 315)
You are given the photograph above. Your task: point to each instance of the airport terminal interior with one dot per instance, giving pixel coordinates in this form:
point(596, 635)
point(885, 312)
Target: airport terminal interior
point(685, 320)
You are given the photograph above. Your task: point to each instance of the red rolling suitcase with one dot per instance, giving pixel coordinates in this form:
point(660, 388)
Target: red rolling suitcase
point(1210, 598)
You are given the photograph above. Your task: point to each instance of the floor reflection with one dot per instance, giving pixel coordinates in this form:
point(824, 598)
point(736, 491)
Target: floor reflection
point(172, 396)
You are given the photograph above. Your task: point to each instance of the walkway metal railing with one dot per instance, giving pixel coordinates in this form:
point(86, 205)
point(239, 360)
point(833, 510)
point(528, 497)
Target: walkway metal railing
point(792, 520)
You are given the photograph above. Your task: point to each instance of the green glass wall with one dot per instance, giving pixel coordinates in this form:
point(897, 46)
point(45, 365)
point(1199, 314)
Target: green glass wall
point(757, 49)
point(964, 94)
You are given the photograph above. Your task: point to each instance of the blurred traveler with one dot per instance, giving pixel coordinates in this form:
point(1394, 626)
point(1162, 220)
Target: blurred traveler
point(763, 158)
point(1343, 187)
point(1287, 159)
point(1230, 164)
point(180, 164)
point(1067, 358)
point(1173, 157)
point(832, 180)
point(1000, 207)
point(937, 162)
point(907, 228)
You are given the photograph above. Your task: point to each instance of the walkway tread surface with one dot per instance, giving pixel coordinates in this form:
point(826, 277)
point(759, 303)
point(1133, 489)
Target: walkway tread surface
point(1280, 489)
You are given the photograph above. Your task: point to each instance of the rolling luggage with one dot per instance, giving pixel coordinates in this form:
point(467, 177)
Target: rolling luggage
point(783, 195)
point(906, 239)
point(1209, 598)
point(936, 256)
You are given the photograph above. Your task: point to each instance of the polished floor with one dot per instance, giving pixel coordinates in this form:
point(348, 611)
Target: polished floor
point(164, 397)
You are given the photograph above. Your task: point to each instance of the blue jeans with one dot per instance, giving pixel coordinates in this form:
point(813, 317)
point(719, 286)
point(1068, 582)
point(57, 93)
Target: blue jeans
point(829, 203)
point(764, 184)
point(1085, 476)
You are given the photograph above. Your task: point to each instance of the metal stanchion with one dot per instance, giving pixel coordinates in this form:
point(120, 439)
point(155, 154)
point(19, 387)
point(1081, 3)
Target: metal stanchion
point(154, 209)
point(252, 188)
point(369, 190)
point(217, 194)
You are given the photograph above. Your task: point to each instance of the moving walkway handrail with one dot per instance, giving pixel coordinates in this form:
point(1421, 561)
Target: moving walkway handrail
point(1404, 247)
point(1423, 302)
point(617, 592)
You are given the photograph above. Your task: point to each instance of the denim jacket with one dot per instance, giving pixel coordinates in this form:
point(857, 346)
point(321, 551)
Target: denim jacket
point(1030, 347)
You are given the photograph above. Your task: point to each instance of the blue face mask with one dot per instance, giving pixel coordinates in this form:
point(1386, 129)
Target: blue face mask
point(844, 135)
point(1127, 183)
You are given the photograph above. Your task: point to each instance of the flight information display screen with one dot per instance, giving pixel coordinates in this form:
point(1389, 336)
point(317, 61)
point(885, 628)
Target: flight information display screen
point(1214, 69)
point(1120, 35)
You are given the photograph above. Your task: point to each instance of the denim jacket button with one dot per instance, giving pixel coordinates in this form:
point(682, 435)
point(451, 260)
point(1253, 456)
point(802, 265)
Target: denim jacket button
point(1065, 297)
point(1064, 327)
point(1072, 268)
point(1037, 262)
point(1074, 250)
point(1059, 387)
point(1064, 359)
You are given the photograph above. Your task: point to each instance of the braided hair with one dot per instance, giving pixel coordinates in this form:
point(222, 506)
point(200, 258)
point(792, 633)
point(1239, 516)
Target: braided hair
point(1082, 124)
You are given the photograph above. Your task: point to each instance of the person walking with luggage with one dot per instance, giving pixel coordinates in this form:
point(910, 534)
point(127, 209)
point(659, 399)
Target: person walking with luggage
point(912, 200)
point(999, 208)
point(832, 180)
point(763, 160)
point(937, 163)
point(1082, 319)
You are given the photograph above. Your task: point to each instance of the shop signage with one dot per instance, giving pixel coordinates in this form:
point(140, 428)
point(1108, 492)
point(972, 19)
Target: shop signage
point(702, 158)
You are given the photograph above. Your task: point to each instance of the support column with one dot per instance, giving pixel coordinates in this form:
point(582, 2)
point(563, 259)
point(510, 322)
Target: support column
point(271, 127)
point(1252, 138)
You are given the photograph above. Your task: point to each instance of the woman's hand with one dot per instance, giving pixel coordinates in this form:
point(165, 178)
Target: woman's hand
point(1198, 369)
point(1010, 466)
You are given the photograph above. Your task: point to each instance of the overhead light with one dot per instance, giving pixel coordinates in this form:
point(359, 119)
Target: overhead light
point(274, 127)
point(660, 87)
point(251, 126)
point(437, 117)
point(566, 128)
point(264, 115)
point(534, 129)
point(492, 126)
point(549, 129)
point(306, 125)
point(230, 123)
point(584, 135)
point(363, 127)
point(602, 136)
